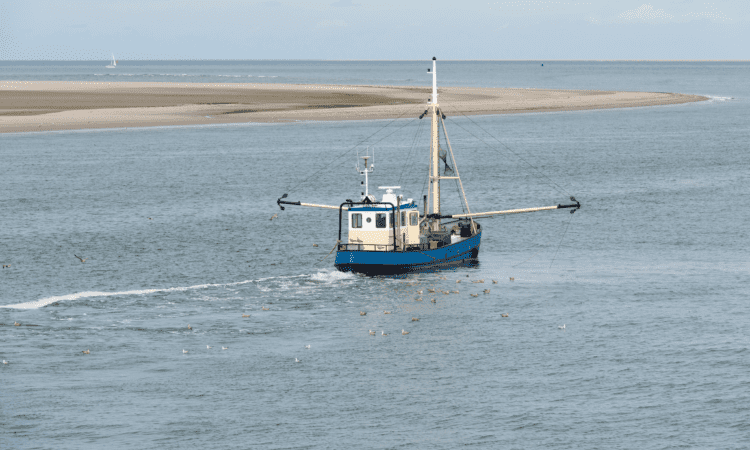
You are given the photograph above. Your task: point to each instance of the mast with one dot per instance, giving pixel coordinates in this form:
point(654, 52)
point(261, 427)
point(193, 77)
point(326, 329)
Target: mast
point(434, 158)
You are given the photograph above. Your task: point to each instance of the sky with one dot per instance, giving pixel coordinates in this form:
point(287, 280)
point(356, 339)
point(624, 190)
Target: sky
point(367, 30)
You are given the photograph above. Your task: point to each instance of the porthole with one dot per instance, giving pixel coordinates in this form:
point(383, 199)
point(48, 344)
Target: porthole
point(369, 219)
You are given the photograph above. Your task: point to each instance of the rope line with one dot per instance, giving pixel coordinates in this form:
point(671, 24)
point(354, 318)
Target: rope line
point(539, 172)
point(561, 240)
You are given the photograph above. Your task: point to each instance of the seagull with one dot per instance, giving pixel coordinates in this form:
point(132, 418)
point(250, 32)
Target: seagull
point(562, 327)
point(455, 292)
point(362, 313)
point(315, 245)
point(86, 351)
point(189, 327)
point(225, 348)
point(404, 332)
point(82, 260)
point(504, 315)
point(372, 333)
point(486, 291)
point(150, 218)
point(307, 346)
point(475, 295)
point(16, 324)
point(494, 281)
point(414, 319)
point(208, 346)
point(274, 216)
point(264, 308)
point(5, 362)
point(246, 315)
point(386, 312)
point(420, 291)
point(512, 279)
point(433, 301)
point(184, 351)
point(419, 299)
point(429, 290)
point(297, 360)
point(383, 333)
point(458, 281)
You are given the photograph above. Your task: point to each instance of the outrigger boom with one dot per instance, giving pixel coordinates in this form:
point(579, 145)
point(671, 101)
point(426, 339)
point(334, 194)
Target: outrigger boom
point(576, 206)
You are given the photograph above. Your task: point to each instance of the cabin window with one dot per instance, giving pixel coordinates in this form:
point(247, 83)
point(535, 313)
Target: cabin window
point(413, 219)
point(392, 220)
point(356, 220)
point(369, 219)
point(403, 218)
point(380, 220)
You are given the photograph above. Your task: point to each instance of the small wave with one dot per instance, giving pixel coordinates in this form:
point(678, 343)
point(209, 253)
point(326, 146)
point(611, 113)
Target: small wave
point(330, 277)
point(719, 99)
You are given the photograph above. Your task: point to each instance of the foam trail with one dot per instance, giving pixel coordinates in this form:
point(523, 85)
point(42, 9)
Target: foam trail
point(89, 294)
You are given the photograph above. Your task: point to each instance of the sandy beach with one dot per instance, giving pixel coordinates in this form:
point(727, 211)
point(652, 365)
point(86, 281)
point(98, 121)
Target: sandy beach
point(55, 105)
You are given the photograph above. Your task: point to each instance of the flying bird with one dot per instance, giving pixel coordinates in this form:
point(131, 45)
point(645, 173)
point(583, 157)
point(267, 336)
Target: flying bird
point(274, 216)
point(82, 260)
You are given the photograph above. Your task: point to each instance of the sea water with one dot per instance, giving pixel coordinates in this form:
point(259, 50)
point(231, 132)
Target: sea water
point(650, 277)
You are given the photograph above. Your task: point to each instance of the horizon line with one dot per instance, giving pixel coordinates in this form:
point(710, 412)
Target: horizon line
point(390, 60)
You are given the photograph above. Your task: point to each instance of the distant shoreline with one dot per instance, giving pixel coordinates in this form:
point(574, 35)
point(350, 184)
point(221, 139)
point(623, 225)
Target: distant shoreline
point(71, 105)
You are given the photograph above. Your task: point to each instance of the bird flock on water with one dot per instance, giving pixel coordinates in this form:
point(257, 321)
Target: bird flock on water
point(363, 313)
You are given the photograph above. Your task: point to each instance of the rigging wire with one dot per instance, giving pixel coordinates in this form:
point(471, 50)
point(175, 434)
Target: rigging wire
point(539, 172)
point(561, 240)
point(292, 189)
point(417, 136)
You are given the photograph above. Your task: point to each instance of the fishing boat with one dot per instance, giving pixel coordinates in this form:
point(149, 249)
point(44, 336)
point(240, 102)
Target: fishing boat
point(114, 63)
point(391, 236)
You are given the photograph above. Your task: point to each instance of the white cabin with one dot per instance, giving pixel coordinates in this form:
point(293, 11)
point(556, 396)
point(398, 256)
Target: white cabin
point(374, 227)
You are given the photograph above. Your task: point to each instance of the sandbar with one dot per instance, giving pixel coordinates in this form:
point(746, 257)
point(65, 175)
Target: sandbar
point(68, 105)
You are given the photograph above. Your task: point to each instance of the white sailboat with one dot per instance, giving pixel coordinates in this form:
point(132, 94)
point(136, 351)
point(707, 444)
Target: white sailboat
point(114, 63)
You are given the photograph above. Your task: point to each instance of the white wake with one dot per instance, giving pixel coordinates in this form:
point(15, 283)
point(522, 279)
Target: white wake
point(89, 294)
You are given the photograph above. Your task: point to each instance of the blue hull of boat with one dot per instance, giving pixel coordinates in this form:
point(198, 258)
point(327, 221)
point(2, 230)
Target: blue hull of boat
point(388, 263)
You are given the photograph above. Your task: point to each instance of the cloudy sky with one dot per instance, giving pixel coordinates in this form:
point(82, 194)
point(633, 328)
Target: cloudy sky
point(364, 29)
